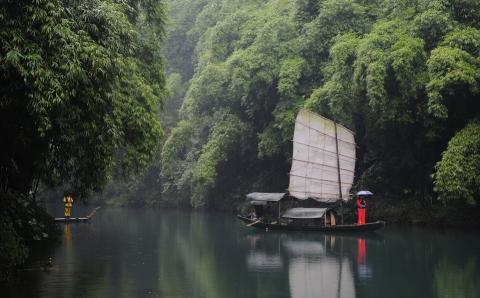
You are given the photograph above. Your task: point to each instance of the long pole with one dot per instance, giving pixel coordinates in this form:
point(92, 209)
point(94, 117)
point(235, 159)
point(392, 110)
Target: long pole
point(338, 170)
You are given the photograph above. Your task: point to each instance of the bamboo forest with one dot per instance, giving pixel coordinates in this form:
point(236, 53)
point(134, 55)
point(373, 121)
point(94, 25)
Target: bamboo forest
point(240, 148)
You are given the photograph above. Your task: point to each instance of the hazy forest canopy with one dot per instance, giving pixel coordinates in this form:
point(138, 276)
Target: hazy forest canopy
point(404, 75)
point(81, 87)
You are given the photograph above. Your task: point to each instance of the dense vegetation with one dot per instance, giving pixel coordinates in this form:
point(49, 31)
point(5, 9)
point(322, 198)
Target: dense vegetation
point(81, 84)
point(403, 75)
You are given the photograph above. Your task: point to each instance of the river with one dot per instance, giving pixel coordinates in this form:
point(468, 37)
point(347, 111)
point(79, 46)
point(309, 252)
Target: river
point(171, 253)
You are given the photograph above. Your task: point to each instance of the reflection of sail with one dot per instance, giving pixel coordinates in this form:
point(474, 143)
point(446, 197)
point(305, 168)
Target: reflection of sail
point(315, 160)
point(260, 261)
point(304, 248)
point(327, 277)
point(317, 265)
point(313, 273)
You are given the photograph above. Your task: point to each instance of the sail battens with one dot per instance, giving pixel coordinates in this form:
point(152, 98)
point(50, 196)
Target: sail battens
point(326, 134)
point(323, 149)
point(307, 112)
point(321, 180)
point(321, 169)
point(347, 169)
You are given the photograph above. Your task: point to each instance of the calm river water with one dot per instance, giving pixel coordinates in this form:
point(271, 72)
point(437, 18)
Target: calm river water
point(169, 253)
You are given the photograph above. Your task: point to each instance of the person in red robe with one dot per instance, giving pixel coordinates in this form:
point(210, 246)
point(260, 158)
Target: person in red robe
point(361, 210)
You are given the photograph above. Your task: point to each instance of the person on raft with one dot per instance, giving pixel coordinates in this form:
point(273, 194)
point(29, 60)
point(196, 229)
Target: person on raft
point(68, 203)
point(361, 210)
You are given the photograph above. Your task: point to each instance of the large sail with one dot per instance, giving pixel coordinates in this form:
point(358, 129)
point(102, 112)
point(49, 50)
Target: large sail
point(316, 162)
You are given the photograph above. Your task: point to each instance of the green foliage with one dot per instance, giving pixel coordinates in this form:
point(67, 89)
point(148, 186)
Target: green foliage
point(81, 86)
point(181, 39)
point(290, 74)
point(389, 69)
point(335, 17)
point(12, 249)
point(402, 74)
point(179, 148)
point(21, 222)
point(224, 140)
point(244, 48)
point(464, 11)
point(432, 25)
point(80, 82)
point(336, 96)
point(453, 67)
point(457, 175)
point(305, 10)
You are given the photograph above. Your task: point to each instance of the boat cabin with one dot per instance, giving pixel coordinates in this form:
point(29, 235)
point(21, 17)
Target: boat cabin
point(265, 204)
point(310, 217)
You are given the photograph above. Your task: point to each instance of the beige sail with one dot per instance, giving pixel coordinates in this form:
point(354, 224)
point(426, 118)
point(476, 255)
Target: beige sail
point(314, 172)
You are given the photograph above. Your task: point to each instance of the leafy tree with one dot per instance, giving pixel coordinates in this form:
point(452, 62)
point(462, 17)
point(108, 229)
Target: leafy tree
point(402, 74)
point(178, 147)
point(454, 70)
point(80, 82)
point(81, 85)
point(225, 140)
point(457, 175)
point(12, 250)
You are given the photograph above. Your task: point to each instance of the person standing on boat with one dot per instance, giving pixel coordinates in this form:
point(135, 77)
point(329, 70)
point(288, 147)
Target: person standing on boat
point(361, 210)
point(68, 203)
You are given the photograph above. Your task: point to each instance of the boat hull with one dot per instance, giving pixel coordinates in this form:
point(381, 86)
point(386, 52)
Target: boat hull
point(371, 226)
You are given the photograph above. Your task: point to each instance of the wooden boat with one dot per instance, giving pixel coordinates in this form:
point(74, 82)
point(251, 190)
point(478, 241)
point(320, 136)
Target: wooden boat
point(323, 165)
point(371, 226)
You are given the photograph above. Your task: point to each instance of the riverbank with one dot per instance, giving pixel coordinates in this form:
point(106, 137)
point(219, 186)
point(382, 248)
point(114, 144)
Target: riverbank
point(392, 210)
point(22, 224)
point(410, 211)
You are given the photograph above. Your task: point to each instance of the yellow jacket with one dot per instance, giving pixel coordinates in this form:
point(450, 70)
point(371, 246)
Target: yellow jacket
point(68, 201)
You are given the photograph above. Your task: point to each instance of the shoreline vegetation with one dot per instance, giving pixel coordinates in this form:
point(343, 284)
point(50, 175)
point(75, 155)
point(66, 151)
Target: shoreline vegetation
point(23, 223)
point(402, 76)
point(81, 86)
point(191, 103)
point(391, 210)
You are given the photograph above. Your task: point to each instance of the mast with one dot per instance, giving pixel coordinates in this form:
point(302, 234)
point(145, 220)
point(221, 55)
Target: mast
point(338, 169)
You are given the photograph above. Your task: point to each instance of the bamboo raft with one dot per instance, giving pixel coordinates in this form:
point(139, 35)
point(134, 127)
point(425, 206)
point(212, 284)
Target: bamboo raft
point(77, 219)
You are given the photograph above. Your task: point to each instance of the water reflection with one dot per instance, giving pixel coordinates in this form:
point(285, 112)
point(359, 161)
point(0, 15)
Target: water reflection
point(262, 262)
point(363, 268)
point(322, 265)
point(165, 253)
point(453, 280)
